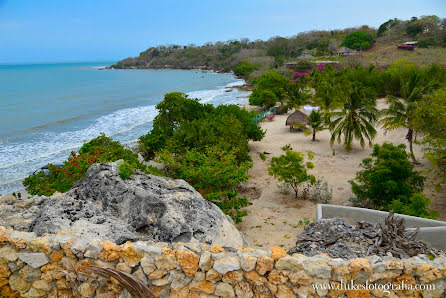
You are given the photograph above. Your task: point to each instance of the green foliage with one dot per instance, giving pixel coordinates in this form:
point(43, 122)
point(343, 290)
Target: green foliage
point(263, 98)
point(358, 40)
point(429, 120)
point(126, 170)
point(262, 156)
point(184, 123)
point(99, 150)
point(273, 83)
point(291, 170)
point(427, 42)
point(356, 119)
point(244, 68)
point(409, 82)
point(214, 172)
point(286, 147)
point(388, 180)
point(316, 122)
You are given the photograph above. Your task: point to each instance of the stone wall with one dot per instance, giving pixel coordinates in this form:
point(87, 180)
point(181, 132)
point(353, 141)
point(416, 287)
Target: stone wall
point(31, 266)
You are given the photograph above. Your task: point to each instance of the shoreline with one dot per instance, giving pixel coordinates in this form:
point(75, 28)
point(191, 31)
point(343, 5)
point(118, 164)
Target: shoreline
point(217, 93)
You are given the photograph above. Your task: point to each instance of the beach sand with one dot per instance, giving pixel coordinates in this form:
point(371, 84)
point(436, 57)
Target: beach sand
point(273, 217)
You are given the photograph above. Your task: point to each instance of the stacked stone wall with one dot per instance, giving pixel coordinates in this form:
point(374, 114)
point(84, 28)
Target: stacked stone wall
point(33, 266)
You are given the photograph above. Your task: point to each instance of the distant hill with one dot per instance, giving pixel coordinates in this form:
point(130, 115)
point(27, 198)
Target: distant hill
point(256, 56)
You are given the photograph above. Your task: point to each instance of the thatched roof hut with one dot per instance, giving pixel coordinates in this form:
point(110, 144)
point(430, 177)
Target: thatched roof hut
point(305, 55)
point(297, 118)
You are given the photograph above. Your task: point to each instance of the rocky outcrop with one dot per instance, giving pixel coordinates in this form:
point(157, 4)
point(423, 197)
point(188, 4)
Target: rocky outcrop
point(145, 207)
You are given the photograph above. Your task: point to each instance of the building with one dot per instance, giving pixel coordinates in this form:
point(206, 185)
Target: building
point(344, 51)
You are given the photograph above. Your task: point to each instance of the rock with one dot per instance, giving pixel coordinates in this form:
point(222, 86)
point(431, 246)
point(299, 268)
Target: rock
point(41, 285)
point(264, 264)
point(188, 261)
point(224, 290)
point(213, 276)
point(8, 253)
point(178, 279)
point(86, 289)
point(205, 261)
point(18, 284)
point(29, 273)
point(225, 265)
point(5, 272)
point(233, 277)
point(243, 290)
point(248, 262)
point(147, 264)
point(289, 263)
point(277, 253)
point(145, 207)
point(34, 259)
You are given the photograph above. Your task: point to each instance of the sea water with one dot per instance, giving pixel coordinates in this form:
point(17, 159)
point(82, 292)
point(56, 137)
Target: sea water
point(49, 110)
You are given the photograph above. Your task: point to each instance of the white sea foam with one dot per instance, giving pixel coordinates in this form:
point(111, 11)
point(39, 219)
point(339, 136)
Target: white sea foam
point(18, 160)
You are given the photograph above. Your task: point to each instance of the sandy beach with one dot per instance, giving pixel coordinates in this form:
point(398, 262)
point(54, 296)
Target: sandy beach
point(273, 218)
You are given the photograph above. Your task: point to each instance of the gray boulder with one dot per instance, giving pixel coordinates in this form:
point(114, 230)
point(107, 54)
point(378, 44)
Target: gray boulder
point(145, 207)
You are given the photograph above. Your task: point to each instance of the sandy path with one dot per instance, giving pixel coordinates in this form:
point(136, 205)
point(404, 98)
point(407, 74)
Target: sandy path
point(273, 218)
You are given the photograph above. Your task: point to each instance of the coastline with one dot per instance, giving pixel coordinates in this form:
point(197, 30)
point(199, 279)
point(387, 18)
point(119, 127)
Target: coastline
point(232, 92)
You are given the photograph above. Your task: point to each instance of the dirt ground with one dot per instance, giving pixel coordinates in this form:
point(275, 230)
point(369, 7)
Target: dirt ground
point(273, 218)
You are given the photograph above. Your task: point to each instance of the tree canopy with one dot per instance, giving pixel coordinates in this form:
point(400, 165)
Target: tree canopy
point(358, 40)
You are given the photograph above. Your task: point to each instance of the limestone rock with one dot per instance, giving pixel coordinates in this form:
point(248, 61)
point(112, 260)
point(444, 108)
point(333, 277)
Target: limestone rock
point(104, 206)
point(224, 290)
point(34, 259)
point(225, 265)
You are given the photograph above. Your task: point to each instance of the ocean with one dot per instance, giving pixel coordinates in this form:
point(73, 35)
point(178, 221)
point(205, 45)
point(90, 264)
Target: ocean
point(49, 110)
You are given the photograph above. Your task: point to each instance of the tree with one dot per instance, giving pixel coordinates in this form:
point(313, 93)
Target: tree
point(388, 181)
point(429, 120)
point(291, 170)
point(297, 95)
point(356, 119)
point(410, 83)
point(358, 40)
point(263, 98)
point(274, 82)
point(214, 172)
point(184, 123)
point(244, 68)
point(316, 122)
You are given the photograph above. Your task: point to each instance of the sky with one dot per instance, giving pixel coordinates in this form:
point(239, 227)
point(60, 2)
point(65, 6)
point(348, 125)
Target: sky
point(110, 30)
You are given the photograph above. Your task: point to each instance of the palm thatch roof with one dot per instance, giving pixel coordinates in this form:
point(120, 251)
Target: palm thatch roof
point(305, 55)
point(297, 118)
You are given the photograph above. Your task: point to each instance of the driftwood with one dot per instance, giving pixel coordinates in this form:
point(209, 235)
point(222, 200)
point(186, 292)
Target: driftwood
point(339, 239)
point(395, 239)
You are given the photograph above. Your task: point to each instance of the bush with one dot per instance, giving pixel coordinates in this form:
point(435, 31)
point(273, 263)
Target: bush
point(388, 180)
point(319, 192)
point(290, 169)
point(126, 170)
point(99, 150)
point(184, 123)
point(358, 40)
point(244, 68)
point(262, 156)
point(215, 173)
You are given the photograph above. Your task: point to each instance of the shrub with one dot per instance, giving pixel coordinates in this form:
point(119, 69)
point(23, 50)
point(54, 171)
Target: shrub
point(244, 68)
point(388, 180)
point(358, 40)
point(262, 156)
point(126, 170)
point(319, 192)
point(214, 173)
point(99, 150)
point(184, 123)
point(290, 169)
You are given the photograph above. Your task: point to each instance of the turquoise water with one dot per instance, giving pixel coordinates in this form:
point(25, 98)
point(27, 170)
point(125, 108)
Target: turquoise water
point(48, 110)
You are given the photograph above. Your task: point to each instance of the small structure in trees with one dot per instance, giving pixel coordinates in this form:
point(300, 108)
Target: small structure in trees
point(305, 55)
point(344, 51)
point(298, 119)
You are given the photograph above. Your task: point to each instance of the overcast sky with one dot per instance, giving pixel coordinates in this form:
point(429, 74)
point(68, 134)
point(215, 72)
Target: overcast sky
point(109, 30)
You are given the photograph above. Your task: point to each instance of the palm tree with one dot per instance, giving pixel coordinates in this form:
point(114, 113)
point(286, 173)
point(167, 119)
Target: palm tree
point(316, 122)
point(297, 95)
point(355, 120)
